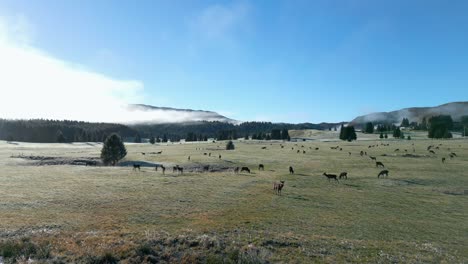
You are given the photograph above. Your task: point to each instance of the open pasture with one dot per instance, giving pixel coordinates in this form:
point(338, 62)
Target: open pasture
point(419, 213)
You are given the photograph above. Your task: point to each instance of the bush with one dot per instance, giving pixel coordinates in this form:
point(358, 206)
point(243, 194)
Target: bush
point(230, 145)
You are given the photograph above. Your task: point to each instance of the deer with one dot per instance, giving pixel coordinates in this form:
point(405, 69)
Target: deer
point(379, 164)
point(343, 175)
point(236, 170)
point(373, 158)
point(383, 173)
point(330, 176)
point(261, 167)
point(291, 170)
point(278, 186)
point(443, 160)
point(136, 166)
point(245, 169)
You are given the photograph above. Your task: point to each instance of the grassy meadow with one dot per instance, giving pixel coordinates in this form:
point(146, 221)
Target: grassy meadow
point(96, 214)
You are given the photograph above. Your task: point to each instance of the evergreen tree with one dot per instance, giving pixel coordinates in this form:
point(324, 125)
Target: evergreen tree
point(246, 137)
point(369, 128)
point(423, 124)
point(440, 126)
point(60, 137)
point(386, 135)
point(152, 140)
point(137, 138)
point(405, 122)
point(342, 132)
point(230, 145)
point(164, 139)
point(397, 132)
point(409, 137)
point(285, 134)
point(381, 135)
point(113, 150)
point(275, 134)
point(402, 135)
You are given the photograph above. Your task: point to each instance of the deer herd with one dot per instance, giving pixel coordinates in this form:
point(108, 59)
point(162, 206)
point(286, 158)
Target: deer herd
point(278, 186)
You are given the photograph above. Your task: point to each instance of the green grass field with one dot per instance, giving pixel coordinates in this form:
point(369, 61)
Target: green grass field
point(69, 213)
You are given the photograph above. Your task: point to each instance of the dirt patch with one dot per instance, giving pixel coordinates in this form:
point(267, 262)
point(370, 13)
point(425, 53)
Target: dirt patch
point(44, 160)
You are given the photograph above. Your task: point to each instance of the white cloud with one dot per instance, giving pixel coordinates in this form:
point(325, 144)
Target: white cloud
point(34, 84)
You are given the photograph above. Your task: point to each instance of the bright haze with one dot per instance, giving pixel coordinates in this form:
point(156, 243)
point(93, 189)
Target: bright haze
point(281, 61)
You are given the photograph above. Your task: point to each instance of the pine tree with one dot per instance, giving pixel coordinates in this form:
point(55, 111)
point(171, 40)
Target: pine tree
point(386, 135)
point(230, 145)
point(60, 137)
point(113, 150)
point(164, 139)
point(137, 138)
point(397, 133)
point(369, 128)
point(152, 140)
point(381, 135)
point(285, 134)
point(342, 132)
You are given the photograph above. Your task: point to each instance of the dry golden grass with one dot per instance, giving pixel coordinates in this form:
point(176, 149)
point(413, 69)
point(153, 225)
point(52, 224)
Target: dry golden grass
point(418, 214)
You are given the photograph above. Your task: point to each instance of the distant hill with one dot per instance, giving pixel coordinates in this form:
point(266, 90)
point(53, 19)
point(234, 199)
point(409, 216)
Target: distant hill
point(175, 115)
point(414, 114)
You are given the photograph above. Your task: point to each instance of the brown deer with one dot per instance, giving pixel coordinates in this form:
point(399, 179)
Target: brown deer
point(330, 176)
point(373, 158)
point(245, 169)
point(236, 170)
point(278, 186)
point(383, 173)
point(291, 170)
point(343, 175)
point(443, 160)
point(136, 166)
point(379, 164)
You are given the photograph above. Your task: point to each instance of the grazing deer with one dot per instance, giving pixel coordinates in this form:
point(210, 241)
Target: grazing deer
point(278, 186)
point(343, 175)
point(431, 151)
point(298, 151)
point(261, 167)
point(291, 170)
point(379, 164)
point(219, 156)
point(443, 160)
point(209, 154)
point(188, 157)
point(163, 169)
point(396, 150)
point(180, 170)
point(361, 153)
point(349, 153)
point(159, 152)
point(304, 152)
point(206, 168)
point(330, 176)
point(245, 169)
point(383, 173)
point(373, 158)
point(263, 147)
point(236, 170)
point(317, 148)
point(136, 166)
point(453, 154)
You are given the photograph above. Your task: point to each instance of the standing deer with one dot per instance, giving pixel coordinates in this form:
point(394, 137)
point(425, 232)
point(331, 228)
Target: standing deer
point(136, 166)
point(291, 170)
point(278, 186)
point(343, 175)
point(261, 167)
point(330, 176)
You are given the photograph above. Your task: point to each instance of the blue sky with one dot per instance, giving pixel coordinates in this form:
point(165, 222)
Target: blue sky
point(282, 61)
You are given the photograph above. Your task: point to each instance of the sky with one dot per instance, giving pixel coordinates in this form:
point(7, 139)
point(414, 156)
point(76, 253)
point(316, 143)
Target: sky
point(264, 60)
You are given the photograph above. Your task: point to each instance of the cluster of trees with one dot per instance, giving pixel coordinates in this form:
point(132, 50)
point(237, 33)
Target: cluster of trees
point(440, 126)
point(275, 134)
point(194, 137)
point(348, 133)
point(50, 131)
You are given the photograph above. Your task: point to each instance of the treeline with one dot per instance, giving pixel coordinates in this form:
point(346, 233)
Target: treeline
point(49, 131)
point(196, 131)
point(436, 126)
